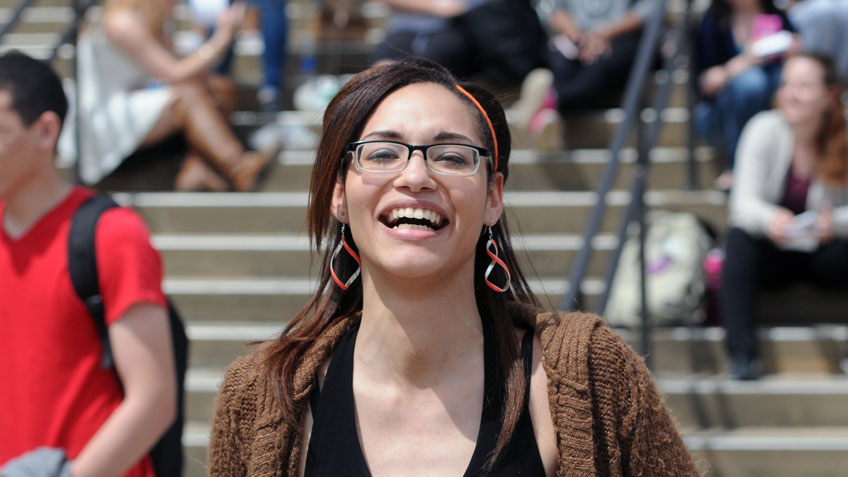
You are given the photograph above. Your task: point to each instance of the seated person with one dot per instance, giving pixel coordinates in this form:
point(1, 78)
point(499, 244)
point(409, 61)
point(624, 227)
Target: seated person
point(423, 28)
point(494, 42)
point(789, 205)
point(593, 53)
point(135, 92)
point(733, 82)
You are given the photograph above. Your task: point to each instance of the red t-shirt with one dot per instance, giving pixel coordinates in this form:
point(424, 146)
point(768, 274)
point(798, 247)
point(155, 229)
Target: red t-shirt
point(54, 392)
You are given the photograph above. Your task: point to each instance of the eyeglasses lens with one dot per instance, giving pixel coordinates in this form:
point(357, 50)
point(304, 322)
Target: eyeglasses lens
point(448, 159)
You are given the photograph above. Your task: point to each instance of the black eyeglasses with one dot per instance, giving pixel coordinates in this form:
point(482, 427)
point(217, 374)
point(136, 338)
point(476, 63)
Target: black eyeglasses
point(448, 159)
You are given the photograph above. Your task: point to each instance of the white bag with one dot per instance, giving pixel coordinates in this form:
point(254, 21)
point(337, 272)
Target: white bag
point(675, 248)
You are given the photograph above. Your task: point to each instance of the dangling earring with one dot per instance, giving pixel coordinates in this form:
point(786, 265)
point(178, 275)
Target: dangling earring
point(343, 245)
point(492, 252)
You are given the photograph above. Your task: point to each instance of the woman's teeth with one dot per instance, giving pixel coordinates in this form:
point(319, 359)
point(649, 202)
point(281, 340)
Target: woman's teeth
point(414, 219)
point(412, 227)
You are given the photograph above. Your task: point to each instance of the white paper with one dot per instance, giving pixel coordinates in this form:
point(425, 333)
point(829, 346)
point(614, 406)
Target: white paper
point(566, 47)
point(802, 235)
point(206, 12)
point(773, 44)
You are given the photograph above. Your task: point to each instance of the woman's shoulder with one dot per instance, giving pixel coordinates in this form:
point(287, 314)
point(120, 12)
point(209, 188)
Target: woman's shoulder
point(766, 124)
point(242, 374)
point(578, 345)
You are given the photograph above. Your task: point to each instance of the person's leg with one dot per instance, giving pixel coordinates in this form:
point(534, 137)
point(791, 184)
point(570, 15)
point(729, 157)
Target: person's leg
point(224, 66)
point(450, 48)
point(708, 125)
point(193, 112)
point(747, 94)
point(829, 265)
point(274, 25)
point(578, 86)
point(563, 70)
point(738, 292)
point(751, 264)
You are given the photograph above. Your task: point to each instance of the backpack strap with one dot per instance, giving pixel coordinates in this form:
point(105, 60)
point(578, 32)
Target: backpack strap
point(82, 266)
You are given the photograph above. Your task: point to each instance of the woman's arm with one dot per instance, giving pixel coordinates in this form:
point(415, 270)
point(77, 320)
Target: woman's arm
point(760, 144)
point(141, 343)
point(226, 441)
point(631, 421)
point(562, 22)
point(130, 34)
point(715, 79)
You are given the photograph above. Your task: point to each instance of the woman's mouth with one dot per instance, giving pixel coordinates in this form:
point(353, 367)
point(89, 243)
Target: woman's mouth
point(410, 218)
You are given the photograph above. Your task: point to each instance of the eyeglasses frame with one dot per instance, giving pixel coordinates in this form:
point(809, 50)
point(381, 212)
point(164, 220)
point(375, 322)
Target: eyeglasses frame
point(481, 152)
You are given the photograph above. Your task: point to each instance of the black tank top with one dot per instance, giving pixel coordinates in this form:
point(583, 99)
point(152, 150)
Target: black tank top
point(334, 447)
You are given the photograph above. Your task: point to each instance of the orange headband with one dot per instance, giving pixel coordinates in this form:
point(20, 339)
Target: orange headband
point(486, 117)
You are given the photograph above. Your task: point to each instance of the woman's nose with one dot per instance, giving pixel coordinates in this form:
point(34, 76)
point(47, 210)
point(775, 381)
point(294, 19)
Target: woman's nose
point(416, 174)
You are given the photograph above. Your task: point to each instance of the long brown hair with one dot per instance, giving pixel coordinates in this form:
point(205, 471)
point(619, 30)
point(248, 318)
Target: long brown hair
point(832, 138)
point(343, 122)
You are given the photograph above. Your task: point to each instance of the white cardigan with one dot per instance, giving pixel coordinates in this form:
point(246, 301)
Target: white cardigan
point(763, 158)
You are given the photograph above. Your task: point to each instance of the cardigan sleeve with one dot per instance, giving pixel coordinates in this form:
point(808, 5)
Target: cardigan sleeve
point(760, 148)
point(634, 431)
point(227, 443)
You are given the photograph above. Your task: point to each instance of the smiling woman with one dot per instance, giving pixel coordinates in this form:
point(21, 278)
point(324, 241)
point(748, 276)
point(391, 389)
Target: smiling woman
point(423, 350)
point(789, 215)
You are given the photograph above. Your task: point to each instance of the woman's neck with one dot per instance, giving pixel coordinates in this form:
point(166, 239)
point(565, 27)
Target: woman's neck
point(416, 333)
point(805, 134)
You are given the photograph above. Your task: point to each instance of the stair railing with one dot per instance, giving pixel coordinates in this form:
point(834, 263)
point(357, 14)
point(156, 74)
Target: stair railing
point(646, 139)
point(17, 13)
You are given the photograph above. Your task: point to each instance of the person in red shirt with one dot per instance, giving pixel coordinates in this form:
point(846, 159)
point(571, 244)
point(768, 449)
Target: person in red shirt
point(61, 414)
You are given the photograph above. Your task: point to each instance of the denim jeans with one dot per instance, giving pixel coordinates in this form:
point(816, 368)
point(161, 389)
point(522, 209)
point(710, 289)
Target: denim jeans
point(274, 25)
point(719, 120)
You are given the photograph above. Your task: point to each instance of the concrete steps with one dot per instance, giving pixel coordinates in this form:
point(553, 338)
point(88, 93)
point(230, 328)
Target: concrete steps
point(238, 267)
point(541, 212)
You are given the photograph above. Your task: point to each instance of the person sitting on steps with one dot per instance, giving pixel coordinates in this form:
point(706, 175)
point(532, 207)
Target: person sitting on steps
point(789, 205)
point(135, 92)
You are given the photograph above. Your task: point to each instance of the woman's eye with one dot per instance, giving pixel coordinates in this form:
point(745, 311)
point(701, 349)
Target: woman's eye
point(382, 155)
point(452, 159)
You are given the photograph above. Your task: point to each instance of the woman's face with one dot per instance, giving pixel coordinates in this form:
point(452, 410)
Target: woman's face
point(803, 96)
point(457, 207)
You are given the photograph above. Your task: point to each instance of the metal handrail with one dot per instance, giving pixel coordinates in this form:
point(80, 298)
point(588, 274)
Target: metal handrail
point(17, 13)
point(635, 211)
point(631, 105)
point(646, 139)
point(70, 33)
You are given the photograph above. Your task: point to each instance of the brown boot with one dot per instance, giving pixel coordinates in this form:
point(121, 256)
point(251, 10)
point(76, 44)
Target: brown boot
point(196, 175)
point(208, 132)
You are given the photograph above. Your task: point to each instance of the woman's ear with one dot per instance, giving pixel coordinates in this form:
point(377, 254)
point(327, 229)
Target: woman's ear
point(494, 200)
point(338, 204)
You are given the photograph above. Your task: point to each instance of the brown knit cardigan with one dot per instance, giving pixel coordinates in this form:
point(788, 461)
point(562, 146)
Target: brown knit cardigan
point(609, 417)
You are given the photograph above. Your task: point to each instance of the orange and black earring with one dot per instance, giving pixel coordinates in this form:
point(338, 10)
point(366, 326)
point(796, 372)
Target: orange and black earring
point(343, 245)
point(502, 276)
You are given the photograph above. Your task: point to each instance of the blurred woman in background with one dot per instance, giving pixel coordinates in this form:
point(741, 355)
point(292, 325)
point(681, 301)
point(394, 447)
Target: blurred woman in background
point(135, 92)
point(789, 204)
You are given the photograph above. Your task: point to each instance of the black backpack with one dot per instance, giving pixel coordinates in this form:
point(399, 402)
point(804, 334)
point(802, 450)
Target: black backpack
point(167, 453)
